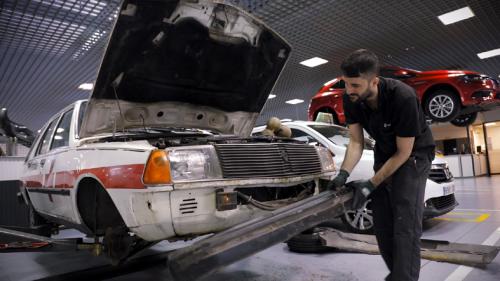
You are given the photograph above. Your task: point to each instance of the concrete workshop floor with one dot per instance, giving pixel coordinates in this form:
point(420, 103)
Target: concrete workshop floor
point(478, 197)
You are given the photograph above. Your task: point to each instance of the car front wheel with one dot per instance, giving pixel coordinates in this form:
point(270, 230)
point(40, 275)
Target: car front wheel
point(442, 106)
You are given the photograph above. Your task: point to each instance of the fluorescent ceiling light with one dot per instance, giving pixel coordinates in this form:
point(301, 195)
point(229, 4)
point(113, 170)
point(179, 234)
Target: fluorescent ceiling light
point(313, 62)
point(86, 86)
point(271, 97)
point(294, 101)
point(456, 16)
point(490, 124)
point(489, 54)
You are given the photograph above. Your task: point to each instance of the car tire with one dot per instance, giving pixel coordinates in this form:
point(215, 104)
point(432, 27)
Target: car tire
point(359, 221)
point(442, 106)
point(464, 120)
point(308, 242)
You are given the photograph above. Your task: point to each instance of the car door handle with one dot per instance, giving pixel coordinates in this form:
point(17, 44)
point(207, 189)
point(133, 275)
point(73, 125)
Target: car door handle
point(32, 165)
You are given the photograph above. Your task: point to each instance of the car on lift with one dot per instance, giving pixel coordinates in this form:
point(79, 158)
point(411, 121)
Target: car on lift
point(439, 196)
point(446, 95)
point(162, 149)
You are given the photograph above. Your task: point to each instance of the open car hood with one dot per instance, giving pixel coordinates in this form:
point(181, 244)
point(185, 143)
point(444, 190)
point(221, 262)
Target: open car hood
point(191, 64)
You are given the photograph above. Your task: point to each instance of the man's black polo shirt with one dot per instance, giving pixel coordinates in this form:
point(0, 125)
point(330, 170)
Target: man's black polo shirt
point(398, 114)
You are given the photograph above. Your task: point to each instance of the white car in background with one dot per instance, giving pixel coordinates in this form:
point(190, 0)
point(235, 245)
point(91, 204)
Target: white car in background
point(440, 188)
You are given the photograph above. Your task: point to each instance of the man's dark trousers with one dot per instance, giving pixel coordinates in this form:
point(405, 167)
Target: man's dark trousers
point(397, 213)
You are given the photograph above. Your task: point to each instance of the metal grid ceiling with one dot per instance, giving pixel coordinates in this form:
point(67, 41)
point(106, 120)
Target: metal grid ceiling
point(49, 47)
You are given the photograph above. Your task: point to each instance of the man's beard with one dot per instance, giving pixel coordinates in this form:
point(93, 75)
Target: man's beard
point(361, 97)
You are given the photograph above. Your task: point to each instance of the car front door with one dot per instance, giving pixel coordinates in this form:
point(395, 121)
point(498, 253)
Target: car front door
point(36, 171)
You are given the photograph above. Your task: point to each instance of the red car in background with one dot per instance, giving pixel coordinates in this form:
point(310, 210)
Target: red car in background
point(446, 95)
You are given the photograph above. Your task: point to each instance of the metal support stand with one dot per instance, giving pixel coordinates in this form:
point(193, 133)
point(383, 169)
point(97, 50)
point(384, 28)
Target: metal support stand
point(11, 146)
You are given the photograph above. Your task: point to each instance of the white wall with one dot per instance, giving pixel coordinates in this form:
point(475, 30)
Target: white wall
point(493, 138)
point(448, 131)
point(10, 167)
point(21, 149)
point(492, 115)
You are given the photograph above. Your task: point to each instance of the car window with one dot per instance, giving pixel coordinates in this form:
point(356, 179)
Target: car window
point(83, 107)
point(43, 146)
point(61, 136)
point(339, 85)
point(33, 147)
point(302, 136)
point(339, 135)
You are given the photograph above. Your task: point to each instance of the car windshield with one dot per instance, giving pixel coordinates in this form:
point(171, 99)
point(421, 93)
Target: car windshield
point(339, 135)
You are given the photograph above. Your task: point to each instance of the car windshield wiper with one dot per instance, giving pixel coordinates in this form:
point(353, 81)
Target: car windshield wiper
point(181, 130)
point(154, 132)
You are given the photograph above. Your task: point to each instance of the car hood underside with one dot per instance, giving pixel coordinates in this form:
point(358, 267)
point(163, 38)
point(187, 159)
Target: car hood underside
point(191, 64)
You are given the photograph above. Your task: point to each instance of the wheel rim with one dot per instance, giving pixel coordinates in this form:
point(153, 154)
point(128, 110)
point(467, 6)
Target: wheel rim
point(441, 106)
point(361, 218)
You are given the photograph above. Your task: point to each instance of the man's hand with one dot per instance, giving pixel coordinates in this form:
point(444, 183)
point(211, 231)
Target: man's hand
point(361, 189)
point(339, 180)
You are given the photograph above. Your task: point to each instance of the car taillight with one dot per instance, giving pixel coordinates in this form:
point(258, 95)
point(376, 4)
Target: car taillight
point(157, 168)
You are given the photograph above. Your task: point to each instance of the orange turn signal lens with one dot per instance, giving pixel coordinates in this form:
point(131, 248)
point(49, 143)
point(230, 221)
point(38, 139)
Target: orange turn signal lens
point(158, 168)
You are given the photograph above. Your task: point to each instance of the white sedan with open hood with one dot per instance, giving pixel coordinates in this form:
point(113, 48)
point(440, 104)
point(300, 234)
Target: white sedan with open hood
point(162, 150)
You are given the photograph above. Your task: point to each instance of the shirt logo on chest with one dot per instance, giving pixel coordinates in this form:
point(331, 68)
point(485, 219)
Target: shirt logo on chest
point(387, 125)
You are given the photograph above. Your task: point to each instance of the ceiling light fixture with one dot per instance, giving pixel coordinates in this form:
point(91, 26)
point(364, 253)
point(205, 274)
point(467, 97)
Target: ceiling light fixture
point(489, 54)
point(271, 96)
point(456, 15)
point(86, 86)
point(294, 101)
point(313, 62)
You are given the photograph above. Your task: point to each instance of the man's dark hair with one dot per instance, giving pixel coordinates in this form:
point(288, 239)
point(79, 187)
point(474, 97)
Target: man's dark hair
point(360, 62)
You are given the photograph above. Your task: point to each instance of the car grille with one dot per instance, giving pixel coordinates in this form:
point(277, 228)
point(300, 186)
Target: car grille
point(440, 175)
point(443, 202)
point(267, 160)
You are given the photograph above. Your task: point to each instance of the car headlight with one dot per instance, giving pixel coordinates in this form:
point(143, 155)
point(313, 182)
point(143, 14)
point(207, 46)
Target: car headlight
point(194, 163)
point(326, 159)
point(472, 77)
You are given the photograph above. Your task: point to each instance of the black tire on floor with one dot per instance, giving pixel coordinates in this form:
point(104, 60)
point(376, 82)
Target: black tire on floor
point(308, 243)
point(464, 120)
point(449, 101)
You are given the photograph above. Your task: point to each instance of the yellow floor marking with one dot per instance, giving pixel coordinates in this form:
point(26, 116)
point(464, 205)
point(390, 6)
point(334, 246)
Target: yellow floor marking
point(477, 219)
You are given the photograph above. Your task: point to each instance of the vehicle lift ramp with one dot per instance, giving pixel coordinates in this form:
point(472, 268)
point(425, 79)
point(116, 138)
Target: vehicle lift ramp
point(222, 249)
